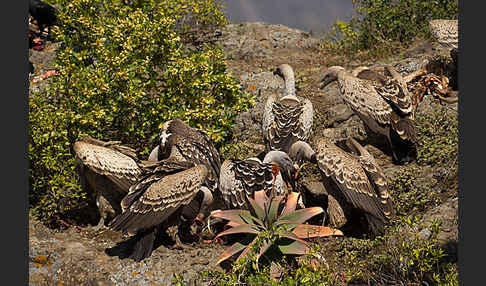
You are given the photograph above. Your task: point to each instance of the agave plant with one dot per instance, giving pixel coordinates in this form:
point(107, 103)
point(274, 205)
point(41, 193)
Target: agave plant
point(275, 223)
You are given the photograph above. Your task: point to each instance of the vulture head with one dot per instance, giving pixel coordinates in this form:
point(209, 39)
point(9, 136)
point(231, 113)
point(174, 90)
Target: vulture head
point(330, 75)
point(284, 71)
point(283, 164)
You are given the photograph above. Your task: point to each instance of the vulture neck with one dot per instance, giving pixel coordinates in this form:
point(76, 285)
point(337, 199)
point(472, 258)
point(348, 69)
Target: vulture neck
point(289, 92)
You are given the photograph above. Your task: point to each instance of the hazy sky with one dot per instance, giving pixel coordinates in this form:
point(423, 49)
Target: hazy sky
point(315, 15)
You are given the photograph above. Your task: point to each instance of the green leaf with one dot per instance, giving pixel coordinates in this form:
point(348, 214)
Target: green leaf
point(273, 209)
point(259, 211)
point(294, 247)
point(237, 216)
point(248, 248)
point(230, 251)
point(245, 228)
point(302, 215)
point(308, 231)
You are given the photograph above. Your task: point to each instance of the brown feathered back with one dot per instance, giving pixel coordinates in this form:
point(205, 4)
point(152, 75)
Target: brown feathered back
point(159, 194)
point(359, 180)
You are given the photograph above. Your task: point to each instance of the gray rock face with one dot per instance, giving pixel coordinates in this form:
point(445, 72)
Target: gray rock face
point(446, 214)
point(258, 40)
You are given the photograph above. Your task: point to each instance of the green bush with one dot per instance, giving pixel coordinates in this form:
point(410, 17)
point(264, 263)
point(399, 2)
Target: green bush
point(438, 134)
point(123, 71)
point(382, 25)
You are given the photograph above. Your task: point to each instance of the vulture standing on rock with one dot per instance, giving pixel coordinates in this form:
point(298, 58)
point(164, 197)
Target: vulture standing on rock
point(385, 109)
point(354, 180)
point(109, 169)
point(160, 199)
point(240, 179)
point(287, 119)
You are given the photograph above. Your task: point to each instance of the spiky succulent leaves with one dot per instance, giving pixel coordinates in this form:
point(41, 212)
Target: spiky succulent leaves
point(302, 215)
point(288, 224)
point(247, 249)
point(291, 203)
point(234, 249)
point(294, 247)
point(272, 212)
point(259, 210)
point(309, 231)
point(243, 228)
point(236, 217)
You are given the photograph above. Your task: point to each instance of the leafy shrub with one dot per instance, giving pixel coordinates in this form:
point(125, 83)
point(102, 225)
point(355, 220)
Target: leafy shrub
point(438, 134)
point(123, 71)
point(411, 259)
point(380, 24)
point(410, 196)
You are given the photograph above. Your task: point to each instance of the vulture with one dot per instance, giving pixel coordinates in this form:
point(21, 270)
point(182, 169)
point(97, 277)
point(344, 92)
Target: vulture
point(354, 180)
point(446, 32)
point(286, 119)
point(161, 198)
point(239, 179)
point(181, 141)
point(107, 169)
point(385, 109)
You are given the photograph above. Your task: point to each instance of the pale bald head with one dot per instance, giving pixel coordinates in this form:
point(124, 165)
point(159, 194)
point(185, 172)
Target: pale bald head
point(285, 71)
point(285, 164)
point(301, 150)
point(330, 75)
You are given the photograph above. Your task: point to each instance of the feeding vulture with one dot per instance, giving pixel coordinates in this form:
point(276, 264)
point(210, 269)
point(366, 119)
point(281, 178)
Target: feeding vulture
point(240, 179)
point(385, 109)
point(353, 179)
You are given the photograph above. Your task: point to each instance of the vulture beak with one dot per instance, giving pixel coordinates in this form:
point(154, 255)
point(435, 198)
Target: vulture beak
point(297, 170)
point(325, 81)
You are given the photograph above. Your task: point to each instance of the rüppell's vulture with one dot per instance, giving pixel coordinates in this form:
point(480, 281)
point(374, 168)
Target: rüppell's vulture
point(286, 119)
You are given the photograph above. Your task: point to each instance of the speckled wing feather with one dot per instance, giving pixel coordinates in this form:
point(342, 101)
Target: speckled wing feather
point(306, 120)
point(268, 119)
point(154, 171)
point(191, 144)
point(384, 104)
point(292, 121)
point(349, 176)
point(158, 199)
point(375, 176)
point(186, 149)
point(446, 32)
point(360, 95)
point(242, 178)
point(110, 160)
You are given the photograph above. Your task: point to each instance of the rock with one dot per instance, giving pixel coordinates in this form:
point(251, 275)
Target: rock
point(446, 215)
point(315, 188)
point(337, 114)
point(353, 127)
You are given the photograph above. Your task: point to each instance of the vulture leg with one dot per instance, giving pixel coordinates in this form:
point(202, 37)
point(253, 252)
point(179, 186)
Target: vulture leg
point(395, 156)
point(144, 245)
point(403, 151)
